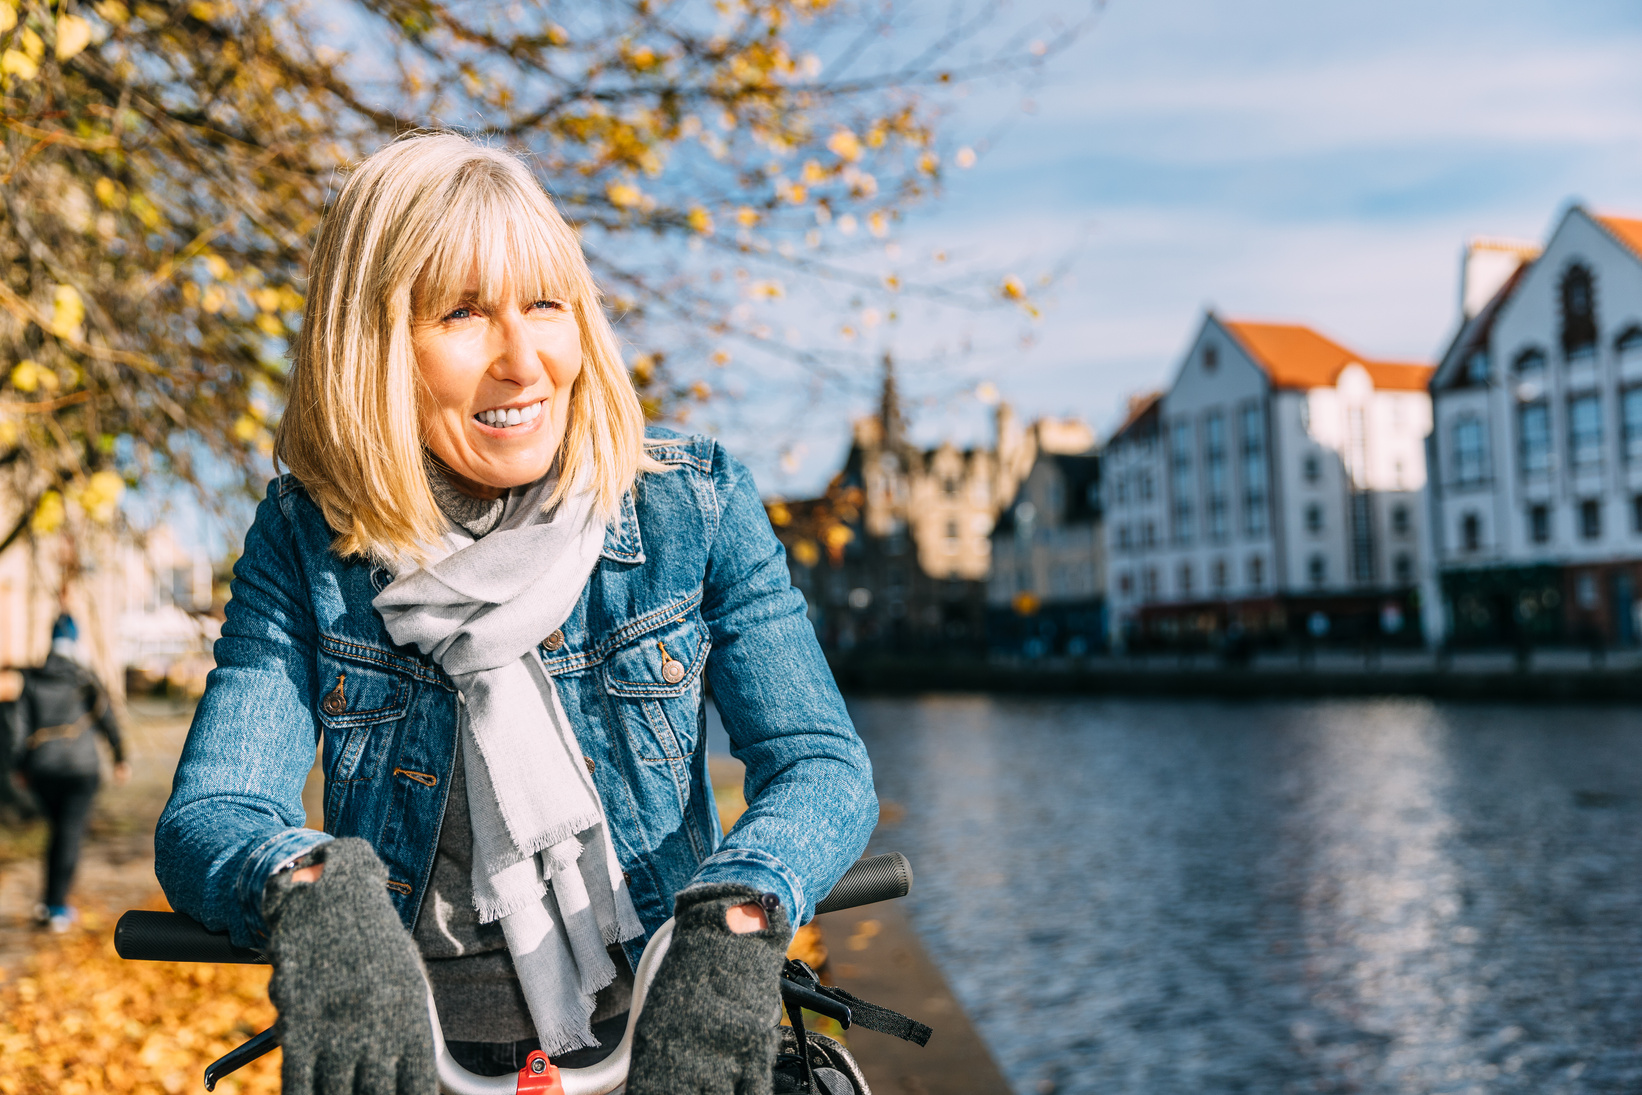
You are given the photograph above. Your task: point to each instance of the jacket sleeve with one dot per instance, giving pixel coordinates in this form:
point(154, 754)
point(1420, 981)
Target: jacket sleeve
point(810, 799)
point(106, 720)
point(235, 815)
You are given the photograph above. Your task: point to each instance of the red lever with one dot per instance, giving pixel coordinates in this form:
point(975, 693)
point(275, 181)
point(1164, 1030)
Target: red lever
point(539, 1076)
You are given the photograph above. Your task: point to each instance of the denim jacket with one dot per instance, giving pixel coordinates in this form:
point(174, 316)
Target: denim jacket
point(690, 573)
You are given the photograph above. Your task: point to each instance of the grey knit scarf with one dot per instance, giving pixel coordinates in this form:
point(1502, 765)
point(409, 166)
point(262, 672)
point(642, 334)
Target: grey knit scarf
point(543, 861)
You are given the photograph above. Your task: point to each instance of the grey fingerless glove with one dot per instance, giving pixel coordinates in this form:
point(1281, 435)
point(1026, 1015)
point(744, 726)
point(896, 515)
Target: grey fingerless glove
point(353, 1007)
point(709, 1025)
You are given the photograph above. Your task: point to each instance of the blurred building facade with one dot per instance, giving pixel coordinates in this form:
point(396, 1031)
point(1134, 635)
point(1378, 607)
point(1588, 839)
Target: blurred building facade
point(1536, 456)
point(1271, 493)
point(1047, 594)
point(141, 605)
point(896, 554)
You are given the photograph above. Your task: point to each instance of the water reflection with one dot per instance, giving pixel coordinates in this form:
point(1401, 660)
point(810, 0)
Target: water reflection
point(1380, 896)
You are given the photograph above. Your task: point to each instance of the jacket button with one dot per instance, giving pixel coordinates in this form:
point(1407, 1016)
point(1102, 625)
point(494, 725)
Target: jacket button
point(672, 671)
point(335, 702)
point(554, 641)
point(589, 763)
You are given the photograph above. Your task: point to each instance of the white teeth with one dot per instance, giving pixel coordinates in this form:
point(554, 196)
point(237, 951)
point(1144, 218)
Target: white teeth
point(515, 416)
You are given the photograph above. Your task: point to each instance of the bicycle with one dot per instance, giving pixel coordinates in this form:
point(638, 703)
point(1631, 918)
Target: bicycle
point(806, 1062)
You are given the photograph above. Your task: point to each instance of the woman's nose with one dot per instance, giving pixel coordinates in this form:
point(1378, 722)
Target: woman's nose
point(513, 351)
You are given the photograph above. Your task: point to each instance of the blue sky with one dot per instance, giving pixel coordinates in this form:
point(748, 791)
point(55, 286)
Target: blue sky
point(1275, 159)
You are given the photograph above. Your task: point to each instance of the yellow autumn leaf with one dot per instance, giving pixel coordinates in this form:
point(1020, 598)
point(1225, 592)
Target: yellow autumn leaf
point(25, 376)
point(721, 358)
point(878, 224)
point(701, 221)
point(793, 193)
point(845, 145)
point(746, 216)
point(624, 195)
point(814, 172)
point(268, 299)
point(113, 12)
point(101, 496)
point(73, 35)
point(67, 311)
point(929, 163)
point(108, 192)
point(9, 433)
point(33, 45)
point(16, 63)
point(48, 515)
point(246, 427)
point(8, 16)
point(218, 266)
point(270, 324)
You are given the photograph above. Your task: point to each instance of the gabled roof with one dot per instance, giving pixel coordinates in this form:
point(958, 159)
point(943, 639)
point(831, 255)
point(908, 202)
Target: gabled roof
point(1473, 333)
point(1627, 230)
point(1142, 416)
point(1295, 356)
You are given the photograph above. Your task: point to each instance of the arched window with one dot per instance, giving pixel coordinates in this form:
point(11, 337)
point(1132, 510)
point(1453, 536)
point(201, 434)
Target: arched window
point(1578, 295)
point(1629, 341)
point(1529, 362)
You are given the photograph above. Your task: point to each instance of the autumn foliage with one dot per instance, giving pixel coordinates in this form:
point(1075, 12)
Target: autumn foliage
point(163, 164)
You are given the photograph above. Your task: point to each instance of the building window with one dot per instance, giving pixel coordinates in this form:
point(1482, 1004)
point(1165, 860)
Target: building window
point(1585, 431)
point(1399, 520)
point(1148, 582)
point(1539, 524)
point(1125, 583)
point(1317, 570)
point(1590, 519)
point(1578, 296)
point(1184, 578)
point(1471, 532)
point(1257, 573)
point(1629, 343)
point(1402, 567)
point(1148, 535)
point(1476, 366)
point(1636, 514)
point(1312, 468)
point(1219, 576)
point(1314, 518)
point(1211, 358)
point(1214, 474)
point(1122, 491)
point(1253, 422)
point(1123, 543)
point(1530, 364)
point(1469, 461)
point(1144, 483)
point(1630, 413)
point(1180, 472)
point(1534, 437)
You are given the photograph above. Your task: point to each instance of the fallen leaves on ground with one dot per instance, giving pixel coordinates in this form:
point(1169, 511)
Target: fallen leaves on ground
point(79, 1019)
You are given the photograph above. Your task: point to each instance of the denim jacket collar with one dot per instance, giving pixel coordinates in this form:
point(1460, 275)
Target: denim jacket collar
point(621, 541)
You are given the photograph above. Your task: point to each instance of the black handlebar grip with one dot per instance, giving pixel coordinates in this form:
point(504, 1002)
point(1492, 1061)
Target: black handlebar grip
point(875, 878)
point(173, 937)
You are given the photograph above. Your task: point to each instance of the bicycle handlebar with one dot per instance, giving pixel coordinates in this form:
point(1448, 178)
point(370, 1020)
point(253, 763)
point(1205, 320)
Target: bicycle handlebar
point(173, 937)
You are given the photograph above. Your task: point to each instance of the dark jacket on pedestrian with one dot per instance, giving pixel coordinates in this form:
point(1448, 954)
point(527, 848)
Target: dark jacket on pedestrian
point(62, 703)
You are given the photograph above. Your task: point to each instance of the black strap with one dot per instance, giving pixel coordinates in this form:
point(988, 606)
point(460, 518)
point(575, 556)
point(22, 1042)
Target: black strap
point(871, 1016)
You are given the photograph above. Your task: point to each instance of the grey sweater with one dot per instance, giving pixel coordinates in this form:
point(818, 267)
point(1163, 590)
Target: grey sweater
point(471, 972)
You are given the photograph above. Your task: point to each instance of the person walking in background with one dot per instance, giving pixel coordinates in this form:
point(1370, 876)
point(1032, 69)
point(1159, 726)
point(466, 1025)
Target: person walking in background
point(59, 705)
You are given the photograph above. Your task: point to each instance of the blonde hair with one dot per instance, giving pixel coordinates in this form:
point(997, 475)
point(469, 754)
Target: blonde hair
point(413, 223)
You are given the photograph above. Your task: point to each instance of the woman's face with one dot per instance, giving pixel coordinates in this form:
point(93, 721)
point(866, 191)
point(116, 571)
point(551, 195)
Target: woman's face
point(498, 383)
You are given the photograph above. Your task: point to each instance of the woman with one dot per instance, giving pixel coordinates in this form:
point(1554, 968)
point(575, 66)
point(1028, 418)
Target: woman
point(495, 600)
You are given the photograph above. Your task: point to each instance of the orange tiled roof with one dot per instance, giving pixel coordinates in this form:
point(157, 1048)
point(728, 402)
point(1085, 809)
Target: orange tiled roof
point(1295, 356)
point(1627, 230)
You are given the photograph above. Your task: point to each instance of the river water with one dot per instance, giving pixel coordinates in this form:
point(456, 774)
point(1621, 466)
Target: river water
point(1354, 896)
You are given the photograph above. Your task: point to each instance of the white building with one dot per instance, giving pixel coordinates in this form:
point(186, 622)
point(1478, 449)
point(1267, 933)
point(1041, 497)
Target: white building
point(1536, 490)
point(1277, 479)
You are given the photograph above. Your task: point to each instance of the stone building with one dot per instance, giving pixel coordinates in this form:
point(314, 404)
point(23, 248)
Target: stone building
point(896, 554)
point(1047, 594)
point(1271, 492)
point(1536, 456)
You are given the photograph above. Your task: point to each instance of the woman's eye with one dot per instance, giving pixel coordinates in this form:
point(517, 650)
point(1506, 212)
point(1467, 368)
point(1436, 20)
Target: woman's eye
point(557, 305)
point(464, 312)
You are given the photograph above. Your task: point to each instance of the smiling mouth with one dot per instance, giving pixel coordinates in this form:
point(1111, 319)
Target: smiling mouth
point(501, 418)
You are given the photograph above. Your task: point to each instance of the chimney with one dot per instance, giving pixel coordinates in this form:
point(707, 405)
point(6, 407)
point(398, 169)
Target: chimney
point(1486, 264)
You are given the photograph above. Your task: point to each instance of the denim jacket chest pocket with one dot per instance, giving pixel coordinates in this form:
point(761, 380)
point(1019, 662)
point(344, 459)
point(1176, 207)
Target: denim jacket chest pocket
point(654, 682)
point(357, 695)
